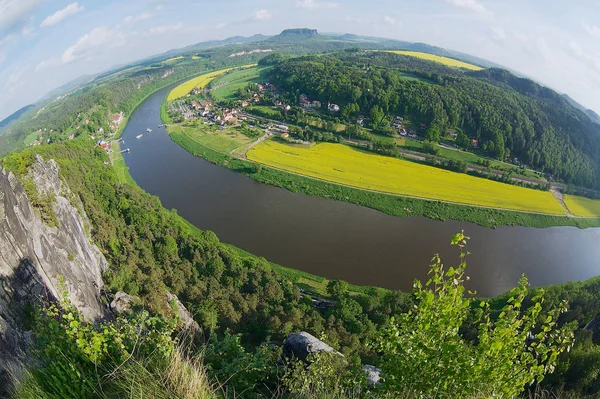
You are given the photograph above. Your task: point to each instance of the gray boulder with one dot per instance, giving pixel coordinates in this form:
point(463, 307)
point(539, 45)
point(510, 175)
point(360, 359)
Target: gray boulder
point(300, 345)
point(122, 302)
point(373, 374)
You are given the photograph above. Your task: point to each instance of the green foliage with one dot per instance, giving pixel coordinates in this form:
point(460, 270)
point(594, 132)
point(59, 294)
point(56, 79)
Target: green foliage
point(337, 288)
point(424, 353)
point(241, 371)
point(74, 354)
point(328, 376)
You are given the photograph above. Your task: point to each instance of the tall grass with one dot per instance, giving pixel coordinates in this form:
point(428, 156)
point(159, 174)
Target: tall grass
point(178, 377)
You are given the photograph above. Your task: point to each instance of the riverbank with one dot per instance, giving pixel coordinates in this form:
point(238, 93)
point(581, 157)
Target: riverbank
point(390, 204)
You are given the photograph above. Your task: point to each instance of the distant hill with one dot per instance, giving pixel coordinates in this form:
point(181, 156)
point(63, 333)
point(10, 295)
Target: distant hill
point(14, 116)
point(295, 34)
point(593, 115)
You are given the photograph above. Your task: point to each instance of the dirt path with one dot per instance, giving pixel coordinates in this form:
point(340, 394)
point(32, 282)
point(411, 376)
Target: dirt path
point(250, 146)
point(560, 198)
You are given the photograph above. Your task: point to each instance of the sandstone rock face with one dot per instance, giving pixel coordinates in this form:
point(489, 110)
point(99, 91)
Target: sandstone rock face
point(41, 261)
point(300, 345)
point(185, 316)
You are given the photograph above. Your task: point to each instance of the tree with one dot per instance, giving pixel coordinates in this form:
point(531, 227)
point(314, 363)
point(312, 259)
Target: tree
point(433, 133)
point(377, 115)
point(462, 140)
point(424, 353)
point(337, 288)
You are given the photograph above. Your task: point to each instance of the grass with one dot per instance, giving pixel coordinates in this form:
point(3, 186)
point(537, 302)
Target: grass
point(231, 82)
point(581, 206)
point(121, 168)
point(451, 62)
point(199, 81)
point(224, 141)
point(345, 165)
point(31, 137)
point(265, 112)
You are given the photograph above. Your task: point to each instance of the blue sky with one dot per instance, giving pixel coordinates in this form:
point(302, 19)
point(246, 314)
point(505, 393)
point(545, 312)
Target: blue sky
point(46, 43)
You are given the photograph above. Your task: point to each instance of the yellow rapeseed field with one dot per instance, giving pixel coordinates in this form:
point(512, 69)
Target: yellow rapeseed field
point(436, 58)
point(353, 167)
point(580, 206)
point(200, 81)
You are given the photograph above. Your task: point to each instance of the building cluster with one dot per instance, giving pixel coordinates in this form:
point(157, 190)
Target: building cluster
point(306, 103)
point(105, 145)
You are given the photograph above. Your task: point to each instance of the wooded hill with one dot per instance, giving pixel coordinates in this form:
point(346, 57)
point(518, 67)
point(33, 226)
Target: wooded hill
point(509, 116)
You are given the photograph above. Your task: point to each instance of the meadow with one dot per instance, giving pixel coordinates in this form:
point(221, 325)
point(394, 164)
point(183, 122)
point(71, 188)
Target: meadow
point(451, 62)
point(199, 81)
point(580, 206)
point(223, 141)
point(357, 168)
point(228, 84)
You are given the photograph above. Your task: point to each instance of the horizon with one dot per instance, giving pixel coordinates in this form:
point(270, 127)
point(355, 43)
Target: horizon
point(44, 45)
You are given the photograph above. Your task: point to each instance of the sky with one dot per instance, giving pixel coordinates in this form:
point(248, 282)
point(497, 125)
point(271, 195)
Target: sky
point(47, 43)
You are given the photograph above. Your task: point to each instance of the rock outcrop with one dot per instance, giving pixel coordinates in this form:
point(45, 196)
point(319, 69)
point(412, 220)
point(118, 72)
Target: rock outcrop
point(38, 261)
point(373, 374)
point(302, 344)
point(185, 317)
point(122, 303)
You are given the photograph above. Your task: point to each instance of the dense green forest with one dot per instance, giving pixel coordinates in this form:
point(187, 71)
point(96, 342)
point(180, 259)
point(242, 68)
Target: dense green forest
point(508, 116)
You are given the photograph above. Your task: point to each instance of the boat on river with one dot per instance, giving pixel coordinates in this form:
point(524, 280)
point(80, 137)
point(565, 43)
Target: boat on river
point(139, 136)
point(149, 130)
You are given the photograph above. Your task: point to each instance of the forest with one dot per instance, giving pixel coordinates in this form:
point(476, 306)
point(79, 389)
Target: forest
point(510, 117)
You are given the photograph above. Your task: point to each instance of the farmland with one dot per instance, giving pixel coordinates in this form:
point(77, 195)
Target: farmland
point(451, 62)
point(580, 206)
point(228, 84)
point(356, 168)
point(199, 81)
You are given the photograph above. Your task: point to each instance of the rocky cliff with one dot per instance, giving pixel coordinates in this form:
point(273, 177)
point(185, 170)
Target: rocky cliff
point(41, 262)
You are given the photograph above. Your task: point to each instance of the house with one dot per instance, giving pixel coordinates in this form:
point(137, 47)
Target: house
point(333, 107)
point(403, 132)
point(360, 120)
point(282, 128)
point(118, 118)
point(285, 135)
point(452, 133)
point(475, 143)
point(399, 118)
point(100, 130)
point(423, 126)
point(315, 104)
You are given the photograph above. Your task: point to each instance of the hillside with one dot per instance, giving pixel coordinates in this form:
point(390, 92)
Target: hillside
point(508, 116)
point(14, 116)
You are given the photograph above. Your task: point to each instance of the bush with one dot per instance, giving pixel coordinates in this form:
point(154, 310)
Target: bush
point(423, 352)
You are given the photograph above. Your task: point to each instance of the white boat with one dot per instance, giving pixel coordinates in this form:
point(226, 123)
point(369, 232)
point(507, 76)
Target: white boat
point(139, 136)
point(149, 130)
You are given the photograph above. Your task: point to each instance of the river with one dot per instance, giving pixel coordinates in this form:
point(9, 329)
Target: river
point(338, 240)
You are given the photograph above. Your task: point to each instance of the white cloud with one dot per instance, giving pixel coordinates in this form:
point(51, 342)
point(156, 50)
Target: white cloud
point(160, 30)
point(315, 5)
point(14, 14)
point(472, 5)
point(61, 15)
point(92, 44)
point(593, 30)
point(140, 17)
point(158, 7)
point(391, 21)
point(498, 33)
point(262, 15)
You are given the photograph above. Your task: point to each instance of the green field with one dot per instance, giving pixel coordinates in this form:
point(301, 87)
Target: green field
point(231, 82)
point(121, 168)
point(265, 112)
point(346, 165)
point(31, 137)
point(223, 141)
